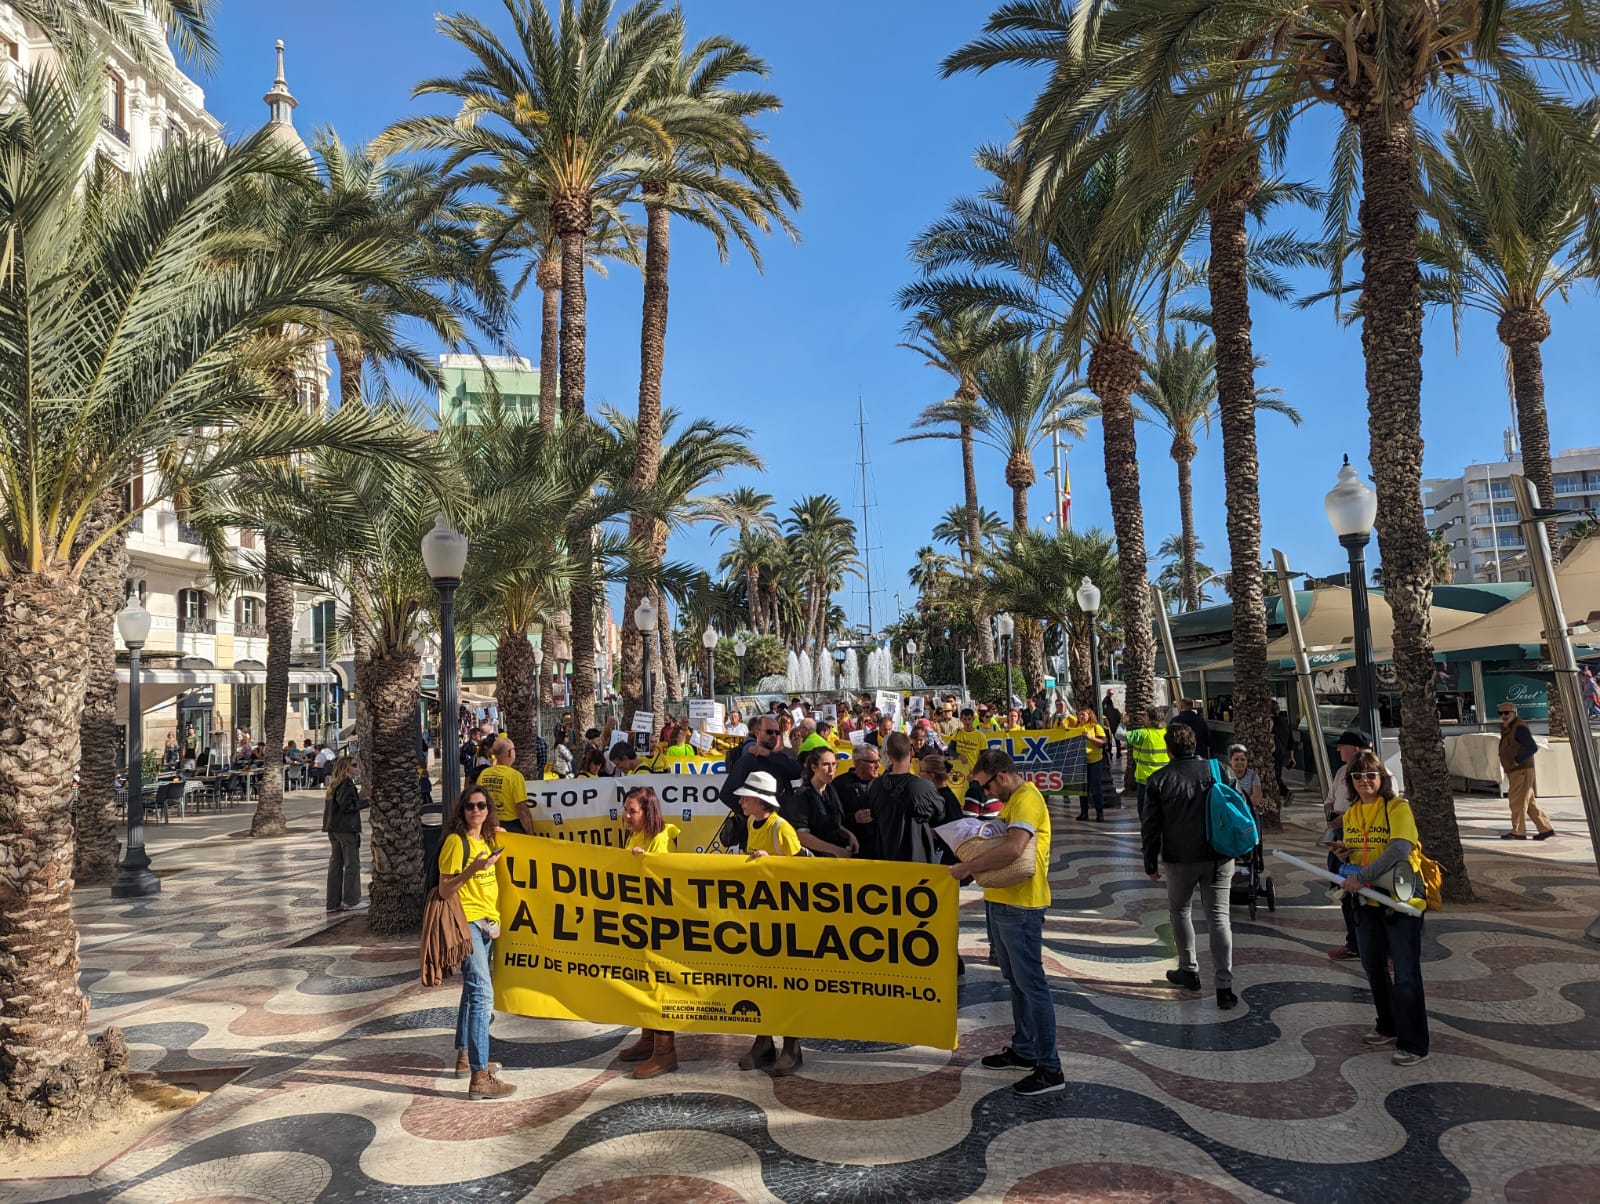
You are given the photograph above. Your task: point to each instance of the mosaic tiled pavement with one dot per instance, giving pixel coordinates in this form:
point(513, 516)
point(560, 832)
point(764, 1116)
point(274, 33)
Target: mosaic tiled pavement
point(345, 1096)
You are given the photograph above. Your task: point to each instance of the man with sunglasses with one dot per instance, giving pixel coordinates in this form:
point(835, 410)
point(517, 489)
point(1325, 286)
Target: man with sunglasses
point(1016, 922)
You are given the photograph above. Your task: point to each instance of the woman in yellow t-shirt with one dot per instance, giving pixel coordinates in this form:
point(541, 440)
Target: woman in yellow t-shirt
point(467, 860)
point(1094, 751)
point(1379, 833)
point(649, 833)
point(770, 836)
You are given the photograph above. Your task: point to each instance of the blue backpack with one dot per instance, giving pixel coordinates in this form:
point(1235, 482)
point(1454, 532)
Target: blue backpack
point(1231, 828)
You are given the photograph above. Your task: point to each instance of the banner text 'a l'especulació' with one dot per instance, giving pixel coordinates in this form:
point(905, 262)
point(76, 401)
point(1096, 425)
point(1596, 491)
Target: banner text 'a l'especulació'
point(797, 946)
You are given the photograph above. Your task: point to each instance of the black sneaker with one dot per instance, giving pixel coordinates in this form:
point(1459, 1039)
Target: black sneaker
point(1041, 1082)
point(1226, 999)
point(1545, 835)
point(1189, 980)
point(1006, 1059)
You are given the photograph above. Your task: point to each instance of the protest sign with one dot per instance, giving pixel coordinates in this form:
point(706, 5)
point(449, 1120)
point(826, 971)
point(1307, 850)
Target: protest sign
point(701, 740)
point(644, 721)
point(788, 945)
point(705, 708)
point(589, 810)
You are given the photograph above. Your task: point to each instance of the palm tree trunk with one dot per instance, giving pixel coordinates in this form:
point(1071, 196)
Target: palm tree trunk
point(752, 587)
point(1019, 508)
point(1078, 661)
point(658, 666)
point(395, 898)
point(1391, 338)
point(516, 690)
point(583, 647)
point(268, 819)
point(54, 1076)
point(361, 658)
point(973, 538)
point(105, 579)
point(1236, 403)
point(1030, 631)
point(1189, 579)
point(647, 441)
point(1113, 376)
point(352, 359)
point(549, 282)
point(572, 220)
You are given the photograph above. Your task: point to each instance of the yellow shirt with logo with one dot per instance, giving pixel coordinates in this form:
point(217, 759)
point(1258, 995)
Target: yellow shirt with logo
point(506, 789)
point(1026, 809)
point(1368, 829)
point(968, 745)
point(479, 894)
point(774, 835)
point(1094, 752)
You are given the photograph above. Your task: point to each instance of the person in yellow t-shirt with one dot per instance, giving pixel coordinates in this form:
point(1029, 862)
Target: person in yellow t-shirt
point(1380, 833)
point(467, 860)
point(1094, 750)
point(1016, 916)
point(770, 836)
point(507, 788)
point(648, 834)
point(968, 742)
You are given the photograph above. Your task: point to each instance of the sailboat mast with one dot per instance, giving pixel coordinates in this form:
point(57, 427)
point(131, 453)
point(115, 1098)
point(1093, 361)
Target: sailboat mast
point(866, 538)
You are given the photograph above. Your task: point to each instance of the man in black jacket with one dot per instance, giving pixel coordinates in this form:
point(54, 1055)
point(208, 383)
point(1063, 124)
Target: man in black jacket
point(1189, 715)
point(1173, 833)
point(764, 755)
point(903, 806)
point(852, 789)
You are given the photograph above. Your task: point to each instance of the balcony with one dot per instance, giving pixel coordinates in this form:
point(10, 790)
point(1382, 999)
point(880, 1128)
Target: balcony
point(188, 626)
point(116, 131)
point(188, 534)
point(250, 631)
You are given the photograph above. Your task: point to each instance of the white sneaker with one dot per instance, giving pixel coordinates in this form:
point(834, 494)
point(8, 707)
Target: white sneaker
point(1402, 1058)
point(1375, 1038)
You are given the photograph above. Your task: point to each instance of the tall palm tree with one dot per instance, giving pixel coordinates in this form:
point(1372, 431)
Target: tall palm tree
point(1179, 392)
point(716, 175)
point(562, 104)
point(822, 547)
point(1511, 213)
point(956, 342)
point(1098, 274)
point(749, 516)
point(1112, 83)
point(1174, 565)
point(130, 319)
point(955, 527)
point(136, 24)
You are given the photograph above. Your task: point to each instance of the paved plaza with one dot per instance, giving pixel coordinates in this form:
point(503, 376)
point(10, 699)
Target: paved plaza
point(345, 1095)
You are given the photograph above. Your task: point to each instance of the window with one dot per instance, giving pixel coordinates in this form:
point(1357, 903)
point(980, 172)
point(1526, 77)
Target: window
point(135, 586)
point(1569, 483)
point(115, 112)
point(251, 611)
point(12, 50)
point(193, 604)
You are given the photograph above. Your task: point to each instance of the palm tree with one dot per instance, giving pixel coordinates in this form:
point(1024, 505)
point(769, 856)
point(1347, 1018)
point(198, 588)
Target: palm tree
point(1512, 211)
point(749, 516)
point(716, 174)
point(1098, 275)
point(131, 318)
point(135, 24)
point(954, 528)
point(1179, 391)
point(957, 343)
point(822, 548)
point(1175, 563)
point(563, 106)
point(1114, 83)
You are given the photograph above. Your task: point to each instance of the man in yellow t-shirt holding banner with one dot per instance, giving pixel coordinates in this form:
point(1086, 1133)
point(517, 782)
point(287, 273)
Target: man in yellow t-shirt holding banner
point(1016, 923)
point(794, 945)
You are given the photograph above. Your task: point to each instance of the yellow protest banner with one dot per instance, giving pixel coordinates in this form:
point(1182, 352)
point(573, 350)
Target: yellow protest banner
point(797, 946)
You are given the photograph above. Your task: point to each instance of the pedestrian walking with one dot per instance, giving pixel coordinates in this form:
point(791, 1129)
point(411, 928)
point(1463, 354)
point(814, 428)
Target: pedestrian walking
point(467, 861)
point(1517, 751)
point(1147, 745)
point(1380, 833)
point(1094, 751)
point(1172, 827)
point(507, 788)
point(1016, 919)
point(341, 820)
point(1282, 750)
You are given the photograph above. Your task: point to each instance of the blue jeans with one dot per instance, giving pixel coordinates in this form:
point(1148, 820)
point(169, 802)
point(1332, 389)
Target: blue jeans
point(1385, 936)
point(1019, 939)
point(1095, 795)
point(477, 1002)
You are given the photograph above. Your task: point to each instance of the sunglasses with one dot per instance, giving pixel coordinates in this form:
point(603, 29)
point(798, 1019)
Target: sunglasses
point(981, 784)
point(474, 806)
point(1370, 777)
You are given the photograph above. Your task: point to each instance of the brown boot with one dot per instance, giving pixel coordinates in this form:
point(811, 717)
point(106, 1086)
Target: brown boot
point(640, 1049)
point(789, 1060)
point(485, 1086)
point(760, 1054)
point(663, 1058)
point(464, 1067)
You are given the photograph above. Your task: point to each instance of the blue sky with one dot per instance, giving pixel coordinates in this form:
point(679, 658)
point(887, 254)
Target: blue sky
point(878, 144)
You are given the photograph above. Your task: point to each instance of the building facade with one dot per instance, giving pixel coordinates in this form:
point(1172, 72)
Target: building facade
point(470, 382)
point(1479, 518)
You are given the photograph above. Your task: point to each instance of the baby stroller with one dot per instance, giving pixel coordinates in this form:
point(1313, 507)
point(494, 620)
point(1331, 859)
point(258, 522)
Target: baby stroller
point(1251, 883)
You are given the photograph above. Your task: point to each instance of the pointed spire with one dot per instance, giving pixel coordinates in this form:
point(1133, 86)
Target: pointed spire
point(280, 101)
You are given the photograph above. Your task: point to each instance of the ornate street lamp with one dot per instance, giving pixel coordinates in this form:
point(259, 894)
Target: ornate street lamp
point(538, 690)
point(134, 877)
point(1352, 507)
point(708, 641)
point(911, 653)
point(1006, 626)
point(645, 618)
point(1089, 603)
point(444, 555)
point(739, 649)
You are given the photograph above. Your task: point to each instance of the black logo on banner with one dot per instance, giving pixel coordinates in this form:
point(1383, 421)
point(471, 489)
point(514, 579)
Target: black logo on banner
point(746, 1009)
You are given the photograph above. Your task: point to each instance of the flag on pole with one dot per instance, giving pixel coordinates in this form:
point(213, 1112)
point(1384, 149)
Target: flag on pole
point(1066, 494)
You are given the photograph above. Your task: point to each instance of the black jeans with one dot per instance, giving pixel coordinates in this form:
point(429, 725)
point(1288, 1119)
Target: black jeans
point(1386, 936)
point(344, 869)
point(1349, 904)
point(1095, 770)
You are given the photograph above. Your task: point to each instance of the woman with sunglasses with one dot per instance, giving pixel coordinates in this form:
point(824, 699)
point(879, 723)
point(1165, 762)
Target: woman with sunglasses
point(1380, 833)
point(648, 833)
point(466, 869)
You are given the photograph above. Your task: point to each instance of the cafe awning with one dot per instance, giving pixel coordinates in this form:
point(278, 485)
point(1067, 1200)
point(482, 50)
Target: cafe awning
point(159, 686)
point(1519, 621)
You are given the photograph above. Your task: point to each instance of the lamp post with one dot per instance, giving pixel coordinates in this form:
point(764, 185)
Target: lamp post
point(911, 654)
point(708, 641)
point(645, 618)
point(444, 554)
point(1352, 507)
point(1089, 603)
point(134, 877)
point(739, 650)
point(538, 691)
point(1006, 626)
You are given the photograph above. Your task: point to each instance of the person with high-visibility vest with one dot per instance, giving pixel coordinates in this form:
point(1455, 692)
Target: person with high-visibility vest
point(1147, 746)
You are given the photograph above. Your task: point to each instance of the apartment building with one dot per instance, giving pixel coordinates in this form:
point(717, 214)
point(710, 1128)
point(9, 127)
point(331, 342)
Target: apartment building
point(1479, 518)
